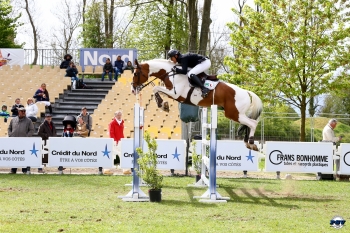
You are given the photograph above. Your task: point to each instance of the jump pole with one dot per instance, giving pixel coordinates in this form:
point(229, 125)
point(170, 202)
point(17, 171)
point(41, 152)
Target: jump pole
point(211, 195)
point(136, 194)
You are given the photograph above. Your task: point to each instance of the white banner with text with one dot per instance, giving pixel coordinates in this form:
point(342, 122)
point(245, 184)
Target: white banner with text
point(171, 153)
point(344, 152)
point(81, 152)
point(20, 152)
point(299, 157)
point(10, 57)
point(233, 156)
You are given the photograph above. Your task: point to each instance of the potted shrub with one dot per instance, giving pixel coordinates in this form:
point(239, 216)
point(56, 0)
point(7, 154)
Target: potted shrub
point(148, 169)
point(196, 161)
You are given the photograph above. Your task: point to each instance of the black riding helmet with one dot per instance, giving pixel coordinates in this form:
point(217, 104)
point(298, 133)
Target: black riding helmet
point(173, 52)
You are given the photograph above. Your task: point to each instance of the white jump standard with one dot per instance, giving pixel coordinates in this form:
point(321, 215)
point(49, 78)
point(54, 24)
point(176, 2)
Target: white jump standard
point(211, 195)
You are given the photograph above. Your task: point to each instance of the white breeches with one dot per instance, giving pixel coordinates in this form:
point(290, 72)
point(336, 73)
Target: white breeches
point(203, 66)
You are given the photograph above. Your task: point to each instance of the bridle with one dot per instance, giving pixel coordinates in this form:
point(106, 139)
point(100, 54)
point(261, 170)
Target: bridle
point(140, 86)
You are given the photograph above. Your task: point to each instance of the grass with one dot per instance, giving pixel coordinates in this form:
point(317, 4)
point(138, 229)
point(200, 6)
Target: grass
point(73, 203)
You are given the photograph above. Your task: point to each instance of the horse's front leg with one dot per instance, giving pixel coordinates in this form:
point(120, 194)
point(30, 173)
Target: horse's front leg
point(164, 105)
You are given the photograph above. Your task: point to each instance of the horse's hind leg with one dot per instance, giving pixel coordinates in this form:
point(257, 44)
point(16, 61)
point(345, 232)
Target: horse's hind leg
point(249, 141)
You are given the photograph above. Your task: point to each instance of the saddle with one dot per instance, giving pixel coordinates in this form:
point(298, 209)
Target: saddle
point(203, 76)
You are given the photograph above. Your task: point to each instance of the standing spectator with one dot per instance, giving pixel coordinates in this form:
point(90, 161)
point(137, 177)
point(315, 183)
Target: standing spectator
point(129, 66)
point(65, 63)
point(329, 136)
point(20, 126)
point(118, 67)
point(87, 119)
point(16, 106)
point(31, 110)
point(116, 129)
point(42, 95)
point(107, 69)
point(46, 130)
point(72, 72)
point(81, 130)
point(4, 113)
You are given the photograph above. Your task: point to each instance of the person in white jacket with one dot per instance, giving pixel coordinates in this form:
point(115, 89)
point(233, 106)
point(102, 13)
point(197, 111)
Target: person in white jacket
point(328, 132)
point(31, 109)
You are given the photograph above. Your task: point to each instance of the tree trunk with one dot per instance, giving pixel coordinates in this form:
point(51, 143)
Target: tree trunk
point(83, 14)
point(206, 21)
point(303, 118)
point(105, 14)
point(110, 40)
point(193, 23)
point(35, 36)
point(168, 30)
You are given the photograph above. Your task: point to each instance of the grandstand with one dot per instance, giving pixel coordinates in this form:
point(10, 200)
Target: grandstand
point(102, 101)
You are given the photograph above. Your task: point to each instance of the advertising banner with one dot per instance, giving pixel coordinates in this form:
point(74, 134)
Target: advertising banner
point(233, 156)
point(10, 57)
point(97, 57)
point(20, 152)
point(344, 150)
point(299, 157)
point(81, 152)
point(171, 153)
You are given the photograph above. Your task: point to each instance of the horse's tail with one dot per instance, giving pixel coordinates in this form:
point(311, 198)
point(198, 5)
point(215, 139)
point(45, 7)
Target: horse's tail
point(255, 110)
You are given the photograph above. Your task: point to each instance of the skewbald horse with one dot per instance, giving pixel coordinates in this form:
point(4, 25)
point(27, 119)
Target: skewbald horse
point(236, 101)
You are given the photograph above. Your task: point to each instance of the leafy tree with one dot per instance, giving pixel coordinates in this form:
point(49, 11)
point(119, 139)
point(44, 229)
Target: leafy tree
point(8, 25)
point(288, 51)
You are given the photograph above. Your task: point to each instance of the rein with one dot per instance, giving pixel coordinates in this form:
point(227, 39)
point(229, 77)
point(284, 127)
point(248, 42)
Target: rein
point(141, 86)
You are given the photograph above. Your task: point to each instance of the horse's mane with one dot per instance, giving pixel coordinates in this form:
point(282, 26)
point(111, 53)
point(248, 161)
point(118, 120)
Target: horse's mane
point(157, 64)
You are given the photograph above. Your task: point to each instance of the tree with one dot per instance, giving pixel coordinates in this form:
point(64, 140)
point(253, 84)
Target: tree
point(289, 50)
point(8, 26)
point(206, 21)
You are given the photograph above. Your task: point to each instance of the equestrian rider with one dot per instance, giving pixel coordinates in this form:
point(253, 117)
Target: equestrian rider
point(197, 62)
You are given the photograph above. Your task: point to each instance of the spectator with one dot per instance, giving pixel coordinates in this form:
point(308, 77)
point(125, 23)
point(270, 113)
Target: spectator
point(81, 130)
point(87, 119)
point(31, 110)
point(329, 136)
point(46, 130)
point(20, 126)
point(107, 69)
point(72, 72)
point(42, 95)
point(118, 67)
point(16, 106)
point(116, 129)
point(65, 63)
point(129, 66)
point(68, 131)
point(69, 123)
point(4, 113)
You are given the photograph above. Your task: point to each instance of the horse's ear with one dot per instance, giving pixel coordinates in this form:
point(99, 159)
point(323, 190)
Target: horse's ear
point(136, 62)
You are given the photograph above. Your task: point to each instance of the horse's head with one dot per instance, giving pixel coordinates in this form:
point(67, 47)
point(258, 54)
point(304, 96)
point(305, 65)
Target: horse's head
point(141, 74)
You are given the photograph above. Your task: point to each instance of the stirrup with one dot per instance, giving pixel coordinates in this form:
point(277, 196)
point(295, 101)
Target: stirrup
point(205, 92)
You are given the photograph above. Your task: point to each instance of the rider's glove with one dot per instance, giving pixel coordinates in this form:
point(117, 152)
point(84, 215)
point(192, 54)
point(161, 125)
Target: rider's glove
point(173, 69)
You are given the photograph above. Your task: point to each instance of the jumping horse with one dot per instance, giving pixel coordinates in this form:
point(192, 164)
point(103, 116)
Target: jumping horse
point(240, 105)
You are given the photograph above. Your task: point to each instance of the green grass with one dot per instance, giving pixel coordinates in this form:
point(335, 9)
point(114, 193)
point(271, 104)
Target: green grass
point(73, 203)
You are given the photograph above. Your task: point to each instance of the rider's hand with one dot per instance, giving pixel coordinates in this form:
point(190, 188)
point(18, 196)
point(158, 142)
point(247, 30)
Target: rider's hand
point(173, 69)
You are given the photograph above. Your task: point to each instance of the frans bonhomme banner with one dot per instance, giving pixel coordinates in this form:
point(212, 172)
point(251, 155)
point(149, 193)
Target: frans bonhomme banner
point(10, 57)
point(233, 156)
point(344, 150)
point(171, 153)
point(20, 152)
point(299, 157)
point(81, 152)
point(97, 57)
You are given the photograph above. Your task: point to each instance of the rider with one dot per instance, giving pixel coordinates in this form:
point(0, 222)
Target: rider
point(197, 62)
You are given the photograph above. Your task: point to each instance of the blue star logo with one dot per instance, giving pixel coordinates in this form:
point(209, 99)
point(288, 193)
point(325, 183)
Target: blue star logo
point(106, 152)
point(33, 151)
point(176, 155)
point(250, 157)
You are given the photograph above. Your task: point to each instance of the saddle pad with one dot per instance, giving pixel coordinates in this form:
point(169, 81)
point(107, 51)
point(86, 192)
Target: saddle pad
point(210, 84)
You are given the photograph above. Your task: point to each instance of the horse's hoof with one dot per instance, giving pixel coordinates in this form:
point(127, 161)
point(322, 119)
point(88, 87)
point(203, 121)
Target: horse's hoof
point(165, 107)
point(251, 147)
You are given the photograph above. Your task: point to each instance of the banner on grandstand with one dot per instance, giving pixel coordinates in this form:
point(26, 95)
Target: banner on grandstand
point(20, 152)
point(171, 153)
point(233, 156)
point(299, 157)
point(344, 152)
point(97, 57)
point(10, 57)
point(81, 152)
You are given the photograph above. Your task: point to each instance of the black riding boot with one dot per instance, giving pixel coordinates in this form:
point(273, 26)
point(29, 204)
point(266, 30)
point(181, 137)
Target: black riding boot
point(196, 80)
point(50, 109)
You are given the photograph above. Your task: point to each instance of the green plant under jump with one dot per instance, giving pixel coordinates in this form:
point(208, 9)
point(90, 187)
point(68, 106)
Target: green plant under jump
point(148, 164)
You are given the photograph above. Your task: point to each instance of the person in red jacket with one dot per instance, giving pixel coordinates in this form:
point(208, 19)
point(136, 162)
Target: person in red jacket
point(116, 127)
